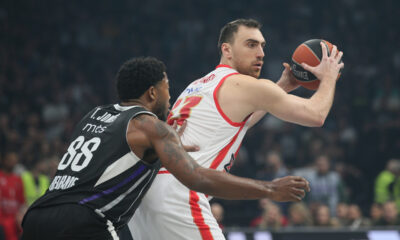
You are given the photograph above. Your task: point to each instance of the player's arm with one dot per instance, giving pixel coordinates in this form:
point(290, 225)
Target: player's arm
point(165, 141)
point(249, 94)
point(287, 82)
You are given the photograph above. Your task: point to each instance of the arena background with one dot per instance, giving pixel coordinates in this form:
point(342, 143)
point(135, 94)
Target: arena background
point(58, 60)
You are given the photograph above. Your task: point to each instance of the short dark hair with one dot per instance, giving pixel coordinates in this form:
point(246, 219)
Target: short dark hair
point(136, 76)
point(226, 34)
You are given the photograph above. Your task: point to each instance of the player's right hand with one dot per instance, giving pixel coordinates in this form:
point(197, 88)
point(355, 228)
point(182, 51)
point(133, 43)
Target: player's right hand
point(180, 130)
point(329, 66)
point(289, 189)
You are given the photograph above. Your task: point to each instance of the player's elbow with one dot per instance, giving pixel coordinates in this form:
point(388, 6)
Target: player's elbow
point(319, 120)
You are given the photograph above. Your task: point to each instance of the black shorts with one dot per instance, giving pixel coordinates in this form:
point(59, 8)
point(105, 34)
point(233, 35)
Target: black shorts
point(67, 221)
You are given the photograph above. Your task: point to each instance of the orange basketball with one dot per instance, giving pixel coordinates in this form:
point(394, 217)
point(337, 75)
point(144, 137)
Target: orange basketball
point(309, 52)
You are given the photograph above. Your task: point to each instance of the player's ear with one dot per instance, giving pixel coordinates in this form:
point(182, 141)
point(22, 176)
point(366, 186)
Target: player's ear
point(226, 50)
point(152, 93)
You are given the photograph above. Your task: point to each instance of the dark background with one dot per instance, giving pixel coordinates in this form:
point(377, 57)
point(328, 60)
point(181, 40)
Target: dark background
point(63, 55)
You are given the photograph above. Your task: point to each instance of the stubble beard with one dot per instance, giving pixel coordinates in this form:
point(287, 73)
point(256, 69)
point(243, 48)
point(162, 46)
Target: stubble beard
point(249, 71)
point(161, 111)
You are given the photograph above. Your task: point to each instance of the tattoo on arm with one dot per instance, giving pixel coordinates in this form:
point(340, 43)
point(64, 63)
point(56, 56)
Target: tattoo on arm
point(173, 149)
point(162, 130)
point(177, 156)
point(170, 145)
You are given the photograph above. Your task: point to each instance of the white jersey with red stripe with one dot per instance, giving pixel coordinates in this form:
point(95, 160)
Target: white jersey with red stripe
point(208, 127)
point(170, 210)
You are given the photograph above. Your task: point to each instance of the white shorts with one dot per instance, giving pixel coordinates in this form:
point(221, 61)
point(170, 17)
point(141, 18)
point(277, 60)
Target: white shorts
point(171, 211)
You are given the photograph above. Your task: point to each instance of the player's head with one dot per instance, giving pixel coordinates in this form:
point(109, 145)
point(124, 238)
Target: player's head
point(145, 78)
point(241, 45)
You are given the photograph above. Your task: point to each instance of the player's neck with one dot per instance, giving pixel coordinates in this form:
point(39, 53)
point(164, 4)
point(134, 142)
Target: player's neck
point(225, 61)
point(132, 102)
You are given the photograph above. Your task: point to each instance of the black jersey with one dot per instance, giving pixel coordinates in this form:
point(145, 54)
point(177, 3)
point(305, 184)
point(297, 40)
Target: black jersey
point(99, 170)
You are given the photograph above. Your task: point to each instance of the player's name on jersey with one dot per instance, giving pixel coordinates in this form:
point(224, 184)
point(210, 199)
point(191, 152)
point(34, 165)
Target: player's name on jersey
point(63, 182)
point(105, 117)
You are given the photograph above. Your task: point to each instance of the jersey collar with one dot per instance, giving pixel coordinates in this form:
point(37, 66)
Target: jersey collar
point(123, 108)
point(223, 65)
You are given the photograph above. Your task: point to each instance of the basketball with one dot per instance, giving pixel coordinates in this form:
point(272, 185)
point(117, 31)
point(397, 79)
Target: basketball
point(309, 52)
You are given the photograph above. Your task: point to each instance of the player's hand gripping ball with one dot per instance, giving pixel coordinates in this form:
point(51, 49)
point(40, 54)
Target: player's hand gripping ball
point(309, 52)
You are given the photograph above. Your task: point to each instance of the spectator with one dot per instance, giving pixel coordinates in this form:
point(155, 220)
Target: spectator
point(271, 218)
point(262, 204)
point(299, 215)
point(342, 210)
point(35, 181)
point(390, 215)
point(356, 219)
point(324, 183)
point(387, 183)
point(273, 167)
point(353, 187)
point(11, 195)
point(376, 213)
point(323, 217)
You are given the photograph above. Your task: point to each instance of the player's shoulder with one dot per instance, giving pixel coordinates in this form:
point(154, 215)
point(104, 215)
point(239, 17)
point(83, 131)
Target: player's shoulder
point(241, 80)
point(241, 77)
point(151, 126)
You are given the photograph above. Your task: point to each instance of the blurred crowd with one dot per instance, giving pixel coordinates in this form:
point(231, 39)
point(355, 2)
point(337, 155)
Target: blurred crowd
point(300, 215)
point(329, 204)
point(58, 60)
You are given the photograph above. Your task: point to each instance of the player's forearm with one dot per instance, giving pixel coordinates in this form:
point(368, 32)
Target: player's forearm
point(226, 186)
point(322, 100)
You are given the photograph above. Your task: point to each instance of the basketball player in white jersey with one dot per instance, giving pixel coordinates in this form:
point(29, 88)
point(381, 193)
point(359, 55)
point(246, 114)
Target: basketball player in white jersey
point(219, 108)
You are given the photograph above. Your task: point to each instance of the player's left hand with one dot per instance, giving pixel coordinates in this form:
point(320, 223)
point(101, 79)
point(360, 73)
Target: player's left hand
point(180, 130)
point(287, 81)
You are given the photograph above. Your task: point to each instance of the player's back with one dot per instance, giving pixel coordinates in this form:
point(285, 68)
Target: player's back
point(208, 127)
point(99, 170)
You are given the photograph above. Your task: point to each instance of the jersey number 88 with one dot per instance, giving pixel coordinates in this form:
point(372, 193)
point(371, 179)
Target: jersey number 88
point(76, 150)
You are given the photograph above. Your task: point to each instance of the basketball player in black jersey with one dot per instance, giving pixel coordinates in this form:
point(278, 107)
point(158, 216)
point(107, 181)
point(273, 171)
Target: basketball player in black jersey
point(115, 153)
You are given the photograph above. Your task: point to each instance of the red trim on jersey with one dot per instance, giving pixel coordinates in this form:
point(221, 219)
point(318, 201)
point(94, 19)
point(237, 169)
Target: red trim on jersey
point(163, 172)
point(223, 65)
point(221, 155)
point(237, 151)
point(198, 218)
point(235, 124)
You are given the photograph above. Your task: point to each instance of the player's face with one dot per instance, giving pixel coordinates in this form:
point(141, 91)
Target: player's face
point(162, 104)
point(248, 51)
